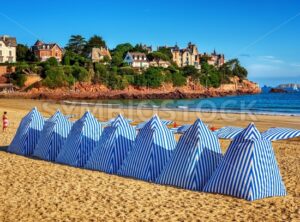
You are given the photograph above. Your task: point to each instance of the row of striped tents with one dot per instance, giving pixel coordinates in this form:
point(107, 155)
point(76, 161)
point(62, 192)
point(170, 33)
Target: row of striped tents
point(116, 142)
point(249, 169)
point(152, 149)
point(195, 158)
point(83, 138)
point(53, 136)
point(274, 134)
point(28, 134)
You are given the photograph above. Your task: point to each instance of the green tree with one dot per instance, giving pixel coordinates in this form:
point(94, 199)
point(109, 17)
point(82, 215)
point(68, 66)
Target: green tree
point(76, 44)
point(25, 54)
point(167, 52)
point(71, 58)
point(66, 60)
point(158, 56)
point(119, 53)
point(233, 68)
point(139, 48)
point(210, 76)
point(154, 77)
point(178, 79)
point(80, 73)
point(101, 73)
point(126, 71)
point(52, 61)
point(18, 77)
point(94, 42)
point(191, 71)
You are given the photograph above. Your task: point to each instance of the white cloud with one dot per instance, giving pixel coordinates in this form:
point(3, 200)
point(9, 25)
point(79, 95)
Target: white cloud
point(296, 64)
point(270, 59)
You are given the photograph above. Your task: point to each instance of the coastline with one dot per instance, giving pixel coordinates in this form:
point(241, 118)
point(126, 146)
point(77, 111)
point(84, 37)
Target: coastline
point(15, 107)
point(185, 109)
point(48, 191)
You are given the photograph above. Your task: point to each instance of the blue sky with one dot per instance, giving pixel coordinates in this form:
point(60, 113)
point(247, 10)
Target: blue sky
point(264, 35)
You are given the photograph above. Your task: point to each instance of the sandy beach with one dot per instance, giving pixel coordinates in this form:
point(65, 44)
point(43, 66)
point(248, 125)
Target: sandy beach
point(34, 190)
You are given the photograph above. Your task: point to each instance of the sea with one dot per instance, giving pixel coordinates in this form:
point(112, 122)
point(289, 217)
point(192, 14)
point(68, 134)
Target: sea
point(267, 104)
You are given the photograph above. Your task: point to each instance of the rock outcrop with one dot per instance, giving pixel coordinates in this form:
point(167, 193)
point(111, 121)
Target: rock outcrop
point(85, 91)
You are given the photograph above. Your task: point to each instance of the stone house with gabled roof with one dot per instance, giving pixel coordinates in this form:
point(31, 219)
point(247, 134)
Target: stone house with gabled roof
point(99, 54)
point(44, 51)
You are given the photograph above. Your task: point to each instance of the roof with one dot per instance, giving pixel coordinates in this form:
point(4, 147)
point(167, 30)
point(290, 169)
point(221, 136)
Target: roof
point(136, 56)
point(40, 45)
point(9, 41)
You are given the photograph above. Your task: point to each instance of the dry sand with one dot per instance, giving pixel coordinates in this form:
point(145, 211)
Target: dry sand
point(34, 190)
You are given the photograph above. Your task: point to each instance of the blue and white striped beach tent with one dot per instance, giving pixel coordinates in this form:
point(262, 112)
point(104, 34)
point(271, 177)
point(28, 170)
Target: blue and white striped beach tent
point(228, 132)
point(152, 149)
point(28, 134)
point(116, 141)
point(54, 134)
point(83, 138)
point(274, 134)
point(109, 122)
point(163, 121)
point(181, 129)
point(195, 158)
point(249, 169)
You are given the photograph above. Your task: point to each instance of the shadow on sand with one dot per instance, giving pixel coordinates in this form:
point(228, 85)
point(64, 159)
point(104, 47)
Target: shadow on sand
point(3, 148)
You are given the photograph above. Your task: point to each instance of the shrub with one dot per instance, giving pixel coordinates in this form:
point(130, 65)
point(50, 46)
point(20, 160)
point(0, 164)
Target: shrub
point(178, 79)
point(55, 77)
point(80, 73)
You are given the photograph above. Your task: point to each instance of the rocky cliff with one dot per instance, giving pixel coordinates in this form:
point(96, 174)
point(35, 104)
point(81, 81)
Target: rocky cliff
point(82, 91)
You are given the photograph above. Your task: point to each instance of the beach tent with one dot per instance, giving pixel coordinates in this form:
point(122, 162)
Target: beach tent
point(152, 149)
point(28, 134)
point(181, 129)
point(53, 137)
point(83, 138)
point(249, 169)
point(109, 122)
point(116, 141)
point(163, 121)
point(274, 134)
point(195, 158)
point(228, 132)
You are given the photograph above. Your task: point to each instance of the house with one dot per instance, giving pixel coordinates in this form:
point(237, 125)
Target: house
point(99, 54)
point(160, 63)
point(8, 48)
point(188, 56)
point(137, 60)
point(215, 59)
point(44, 51)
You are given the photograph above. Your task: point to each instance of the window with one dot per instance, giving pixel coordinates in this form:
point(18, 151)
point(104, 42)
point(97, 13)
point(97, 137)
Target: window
point(10, 53)
point(0, 45)
point(1, 59)
point(0, 52)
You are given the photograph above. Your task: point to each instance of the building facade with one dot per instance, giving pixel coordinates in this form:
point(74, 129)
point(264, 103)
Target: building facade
point(8, 49)
point(160, 63)
point(44, 51)
point(215, 59)
point(137, 60)
point(99, 54)
point(188, 56)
